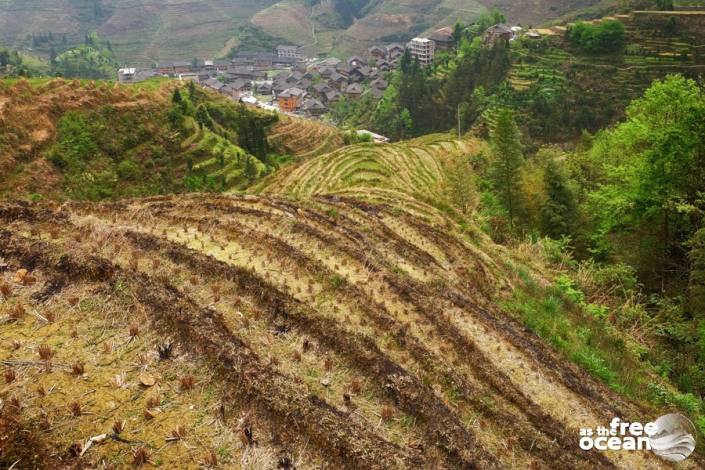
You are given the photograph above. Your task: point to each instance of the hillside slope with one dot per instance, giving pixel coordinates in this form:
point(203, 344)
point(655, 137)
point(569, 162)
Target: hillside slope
point(322, 324)
point(94, 140)
point(144, 31)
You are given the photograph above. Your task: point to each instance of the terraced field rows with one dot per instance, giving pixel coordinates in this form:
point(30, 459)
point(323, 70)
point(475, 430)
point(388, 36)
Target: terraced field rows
point(304, 138)
point(411, 167)
point(336, 331)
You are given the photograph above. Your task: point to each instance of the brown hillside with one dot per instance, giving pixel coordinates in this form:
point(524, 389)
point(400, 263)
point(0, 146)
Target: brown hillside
point(29, 113)
point(325, 333)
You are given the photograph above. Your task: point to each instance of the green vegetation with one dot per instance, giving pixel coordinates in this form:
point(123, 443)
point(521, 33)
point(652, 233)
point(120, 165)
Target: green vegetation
point(506, 169)
point(140, 140)
point(626, 214)
point(94, 59)
point(606, 36)
point(14, 64)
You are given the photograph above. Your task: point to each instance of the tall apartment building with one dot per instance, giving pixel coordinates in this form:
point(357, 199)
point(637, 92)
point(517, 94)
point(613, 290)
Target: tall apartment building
point(423, 50)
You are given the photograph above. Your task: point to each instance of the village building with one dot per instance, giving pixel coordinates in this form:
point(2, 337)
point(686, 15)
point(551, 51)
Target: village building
point(380, 83)
point(498, 32)
point(214, 84)
point(326, 71)
point(304, 83)
point(338, 81)
point(254, 59)
point(248, 73)
point(359, 75)
point(279, 88)
point(344, 69)
point(333, 96)
point(264, 88)
point(384, 66)
point(443, 39)
point(232, 91)
point(394, 51)
point(354, 91)
point(189, 77)
point(126, 75)
point(313, 107)
point(330, 62)
point(182, 67)
point(165, 68)
point(377, 52)
point(242, 85)
point(356, 61)
point(321, 88)
point(423, 50)
point(290, 100)
point(289, 52)
point(221, 65)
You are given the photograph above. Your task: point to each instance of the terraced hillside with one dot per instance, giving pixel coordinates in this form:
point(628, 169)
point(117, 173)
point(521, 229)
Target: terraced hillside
point(141, 31)
point(134, 140)
point(314, 326)
point(597, 87)
point(304, 138)
point(144, 31)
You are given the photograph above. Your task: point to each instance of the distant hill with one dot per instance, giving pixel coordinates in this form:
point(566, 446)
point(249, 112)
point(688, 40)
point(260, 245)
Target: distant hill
point(145, 31)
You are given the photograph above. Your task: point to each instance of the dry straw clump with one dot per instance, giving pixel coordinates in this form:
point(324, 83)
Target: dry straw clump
point(45, 352)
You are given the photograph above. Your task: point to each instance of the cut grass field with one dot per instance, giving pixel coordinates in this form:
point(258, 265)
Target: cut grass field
point(335, 319)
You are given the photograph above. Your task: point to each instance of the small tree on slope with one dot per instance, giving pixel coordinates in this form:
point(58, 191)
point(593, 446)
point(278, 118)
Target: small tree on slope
point(508, 161)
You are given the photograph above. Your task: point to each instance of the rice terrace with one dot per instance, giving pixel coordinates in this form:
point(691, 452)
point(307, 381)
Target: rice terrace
point(322, 322)
point(352, 234)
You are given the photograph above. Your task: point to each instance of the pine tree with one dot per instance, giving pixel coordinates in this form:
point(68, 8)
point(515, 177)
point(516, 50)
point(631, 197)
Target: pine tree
point(558, 214)
point(250, 170)
point(508, 160)
point(460, 183)
point(176, 97)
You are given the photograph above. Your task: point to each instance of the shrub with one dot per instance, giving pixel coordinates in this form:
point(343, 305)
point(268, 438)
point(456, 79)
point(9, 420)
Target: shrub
point(128, 170)
point(607, 36)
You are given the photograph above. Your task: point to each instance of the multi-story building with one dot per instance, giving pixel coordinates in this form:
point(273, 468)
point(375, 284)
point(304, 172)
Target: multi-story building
point(423, 50)
point(290, 52)
point(290, 100)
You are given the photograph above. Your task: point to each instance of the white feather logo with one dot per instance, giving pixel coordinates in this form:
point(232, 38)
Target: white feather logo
point(674, 439)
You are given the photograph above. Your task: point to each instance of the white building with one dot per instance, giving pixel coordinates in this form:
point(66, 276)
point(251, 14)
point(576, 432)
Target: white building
point(126, 75)
point(289, 52)
point(423, 50)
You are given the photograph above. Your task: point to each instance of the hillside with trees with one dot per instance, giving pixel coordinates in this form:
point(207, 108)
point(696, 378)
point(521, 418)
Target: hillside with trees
point(95, 140)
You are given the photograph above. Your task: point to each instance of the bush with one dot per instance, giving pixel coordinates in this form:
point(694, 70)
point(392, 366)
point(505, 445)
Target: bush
point(129, 170)
point(607, 36)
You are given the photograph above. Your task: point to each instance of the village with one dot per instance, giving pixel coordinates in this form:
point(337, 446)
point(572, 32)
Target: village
point(287, 81)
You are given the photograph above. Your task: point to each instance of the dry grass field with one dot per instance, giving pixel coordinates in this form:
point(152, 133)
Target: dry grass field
point(334, 320)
